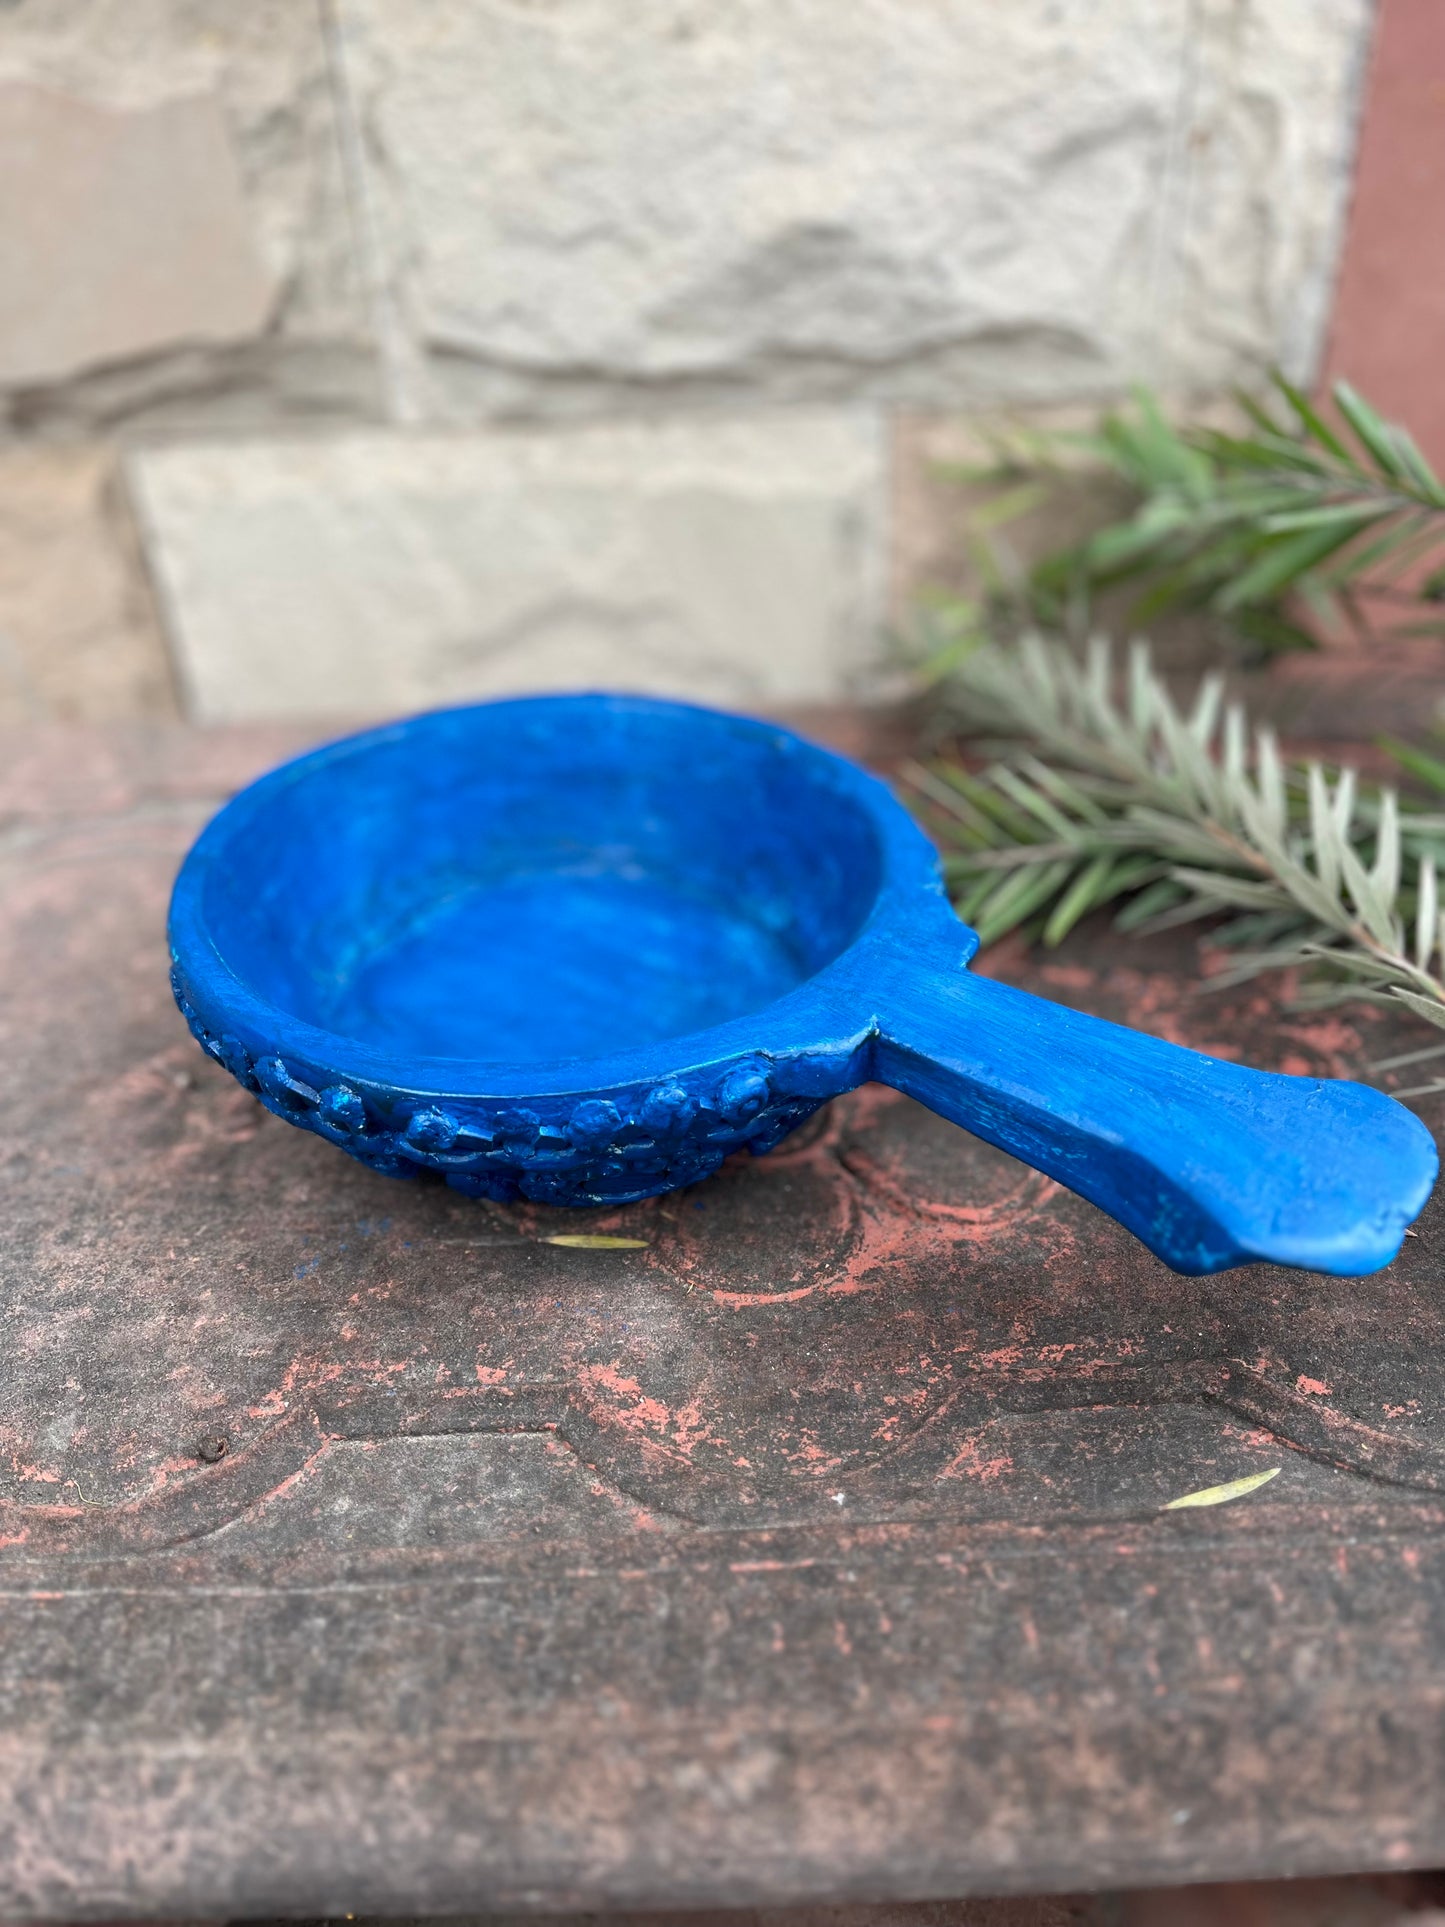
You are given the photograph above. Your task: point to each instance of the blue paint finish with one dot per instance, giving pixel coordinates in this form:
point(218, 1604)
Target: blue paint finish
point(564, 964)
point(582, 948)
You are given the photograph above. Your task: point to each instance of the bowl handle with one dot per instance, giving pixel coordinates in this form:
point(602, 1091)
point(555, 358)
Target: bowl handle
point(1208, 1163)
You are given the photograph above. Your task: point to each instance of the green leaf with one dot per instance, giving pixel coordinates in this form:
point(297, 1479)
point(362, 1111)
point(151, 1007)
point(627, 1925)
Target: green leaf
point(1329, 515)
point(1188, 586)
point(1429, 770)
point(1283, 561)
point(1310, 419)
point(939, 786)
point(969, 903)
point(1428, 1007)
point(1017, 898)
point(1324, 836)
point(1121, 547)
point(1029, 798)
point(1258, 927)
point(1420, 471)
point(990, 804)
point(1151, 901)
point(1274, 453)
point(1270, 773)
point(1256, 411)
point(1400, 538)
point(1009, 506)
point(1385, 871)
point(1339, 955)
point(1275, 634)
point(1221, 890)
point(1370, 432)
point(1068, 793)
point(1088, 889)
point(1429, 934)
point(1374, 909)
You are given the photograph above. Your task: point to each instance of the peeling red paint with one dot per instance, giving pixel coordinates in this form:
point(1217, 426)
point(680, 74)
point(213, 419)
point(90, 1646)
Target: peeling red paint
point(45, 1475)
point(969, 1462)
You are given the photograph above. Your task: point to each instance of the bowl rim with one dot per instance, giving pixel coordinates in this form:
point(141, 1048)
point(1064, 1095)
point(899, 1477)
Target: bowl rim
point(832, 1012)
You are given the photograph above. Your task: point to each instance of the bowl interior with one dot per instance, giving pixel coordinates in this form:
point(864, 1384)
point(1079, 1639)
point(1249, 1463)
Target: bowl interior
point(539, 881)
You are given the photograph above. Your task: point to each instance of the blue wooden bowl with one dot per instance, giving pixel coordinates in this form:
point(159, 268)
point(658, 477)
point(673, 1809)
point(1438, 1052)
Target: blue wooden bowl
point(579, 949)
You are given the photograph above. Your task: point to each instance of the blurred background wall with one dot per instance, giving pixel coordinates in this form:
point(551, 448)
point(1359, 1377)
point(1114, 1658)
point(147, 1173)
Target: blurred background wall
point(363, 354)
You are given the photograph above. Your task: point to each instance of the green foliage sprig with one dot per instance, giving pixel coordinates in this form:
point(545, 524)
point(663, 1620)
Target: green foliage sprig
point(1099, 799)
point(1290, 525)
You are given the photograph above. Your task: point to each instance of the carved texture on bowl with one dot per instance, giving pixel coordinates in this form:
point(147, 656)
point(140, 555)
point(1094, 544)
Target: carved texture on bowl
point(591, 1152)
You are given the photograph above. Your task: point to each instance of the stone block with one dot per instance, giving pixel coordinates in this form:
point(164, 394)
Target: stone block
point(1257, 189)
point(734, 561)
point(950, 203)
point(121, 233)
point(78, 636)
point(211, 132)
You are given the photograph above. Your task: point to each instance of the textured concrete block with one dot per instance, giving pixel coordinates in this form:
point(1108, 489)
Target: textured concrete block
point(733, 561)
point(944, 202)
point(121, 233)
point(78, 636)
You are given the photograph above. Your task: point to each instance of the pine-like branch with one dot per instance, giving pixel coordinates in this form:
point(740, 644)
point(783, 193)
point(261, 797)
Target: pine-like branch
point(1101, 799)
point(1270, 532)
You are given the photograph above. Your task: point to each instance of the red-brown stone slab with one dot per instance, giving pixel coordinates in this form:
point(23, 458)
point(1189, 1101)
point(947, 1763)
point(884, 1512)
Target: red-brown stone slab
point(360, 1550)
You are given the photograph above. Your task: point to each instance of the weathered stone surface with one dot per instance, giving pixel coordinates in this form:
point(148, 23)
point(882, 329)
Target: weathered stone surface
point(1252, 209)
point(808, 1547)
point(1381, 1900)
point(954, 201)
point(729, 560)
point(121, 233)
point(263, 70)
point(78, 634)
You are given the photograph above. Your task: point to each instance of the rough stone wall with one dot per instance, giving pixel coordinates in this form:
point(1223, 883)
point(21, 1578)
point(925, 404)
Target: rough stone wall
point(442, 349)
